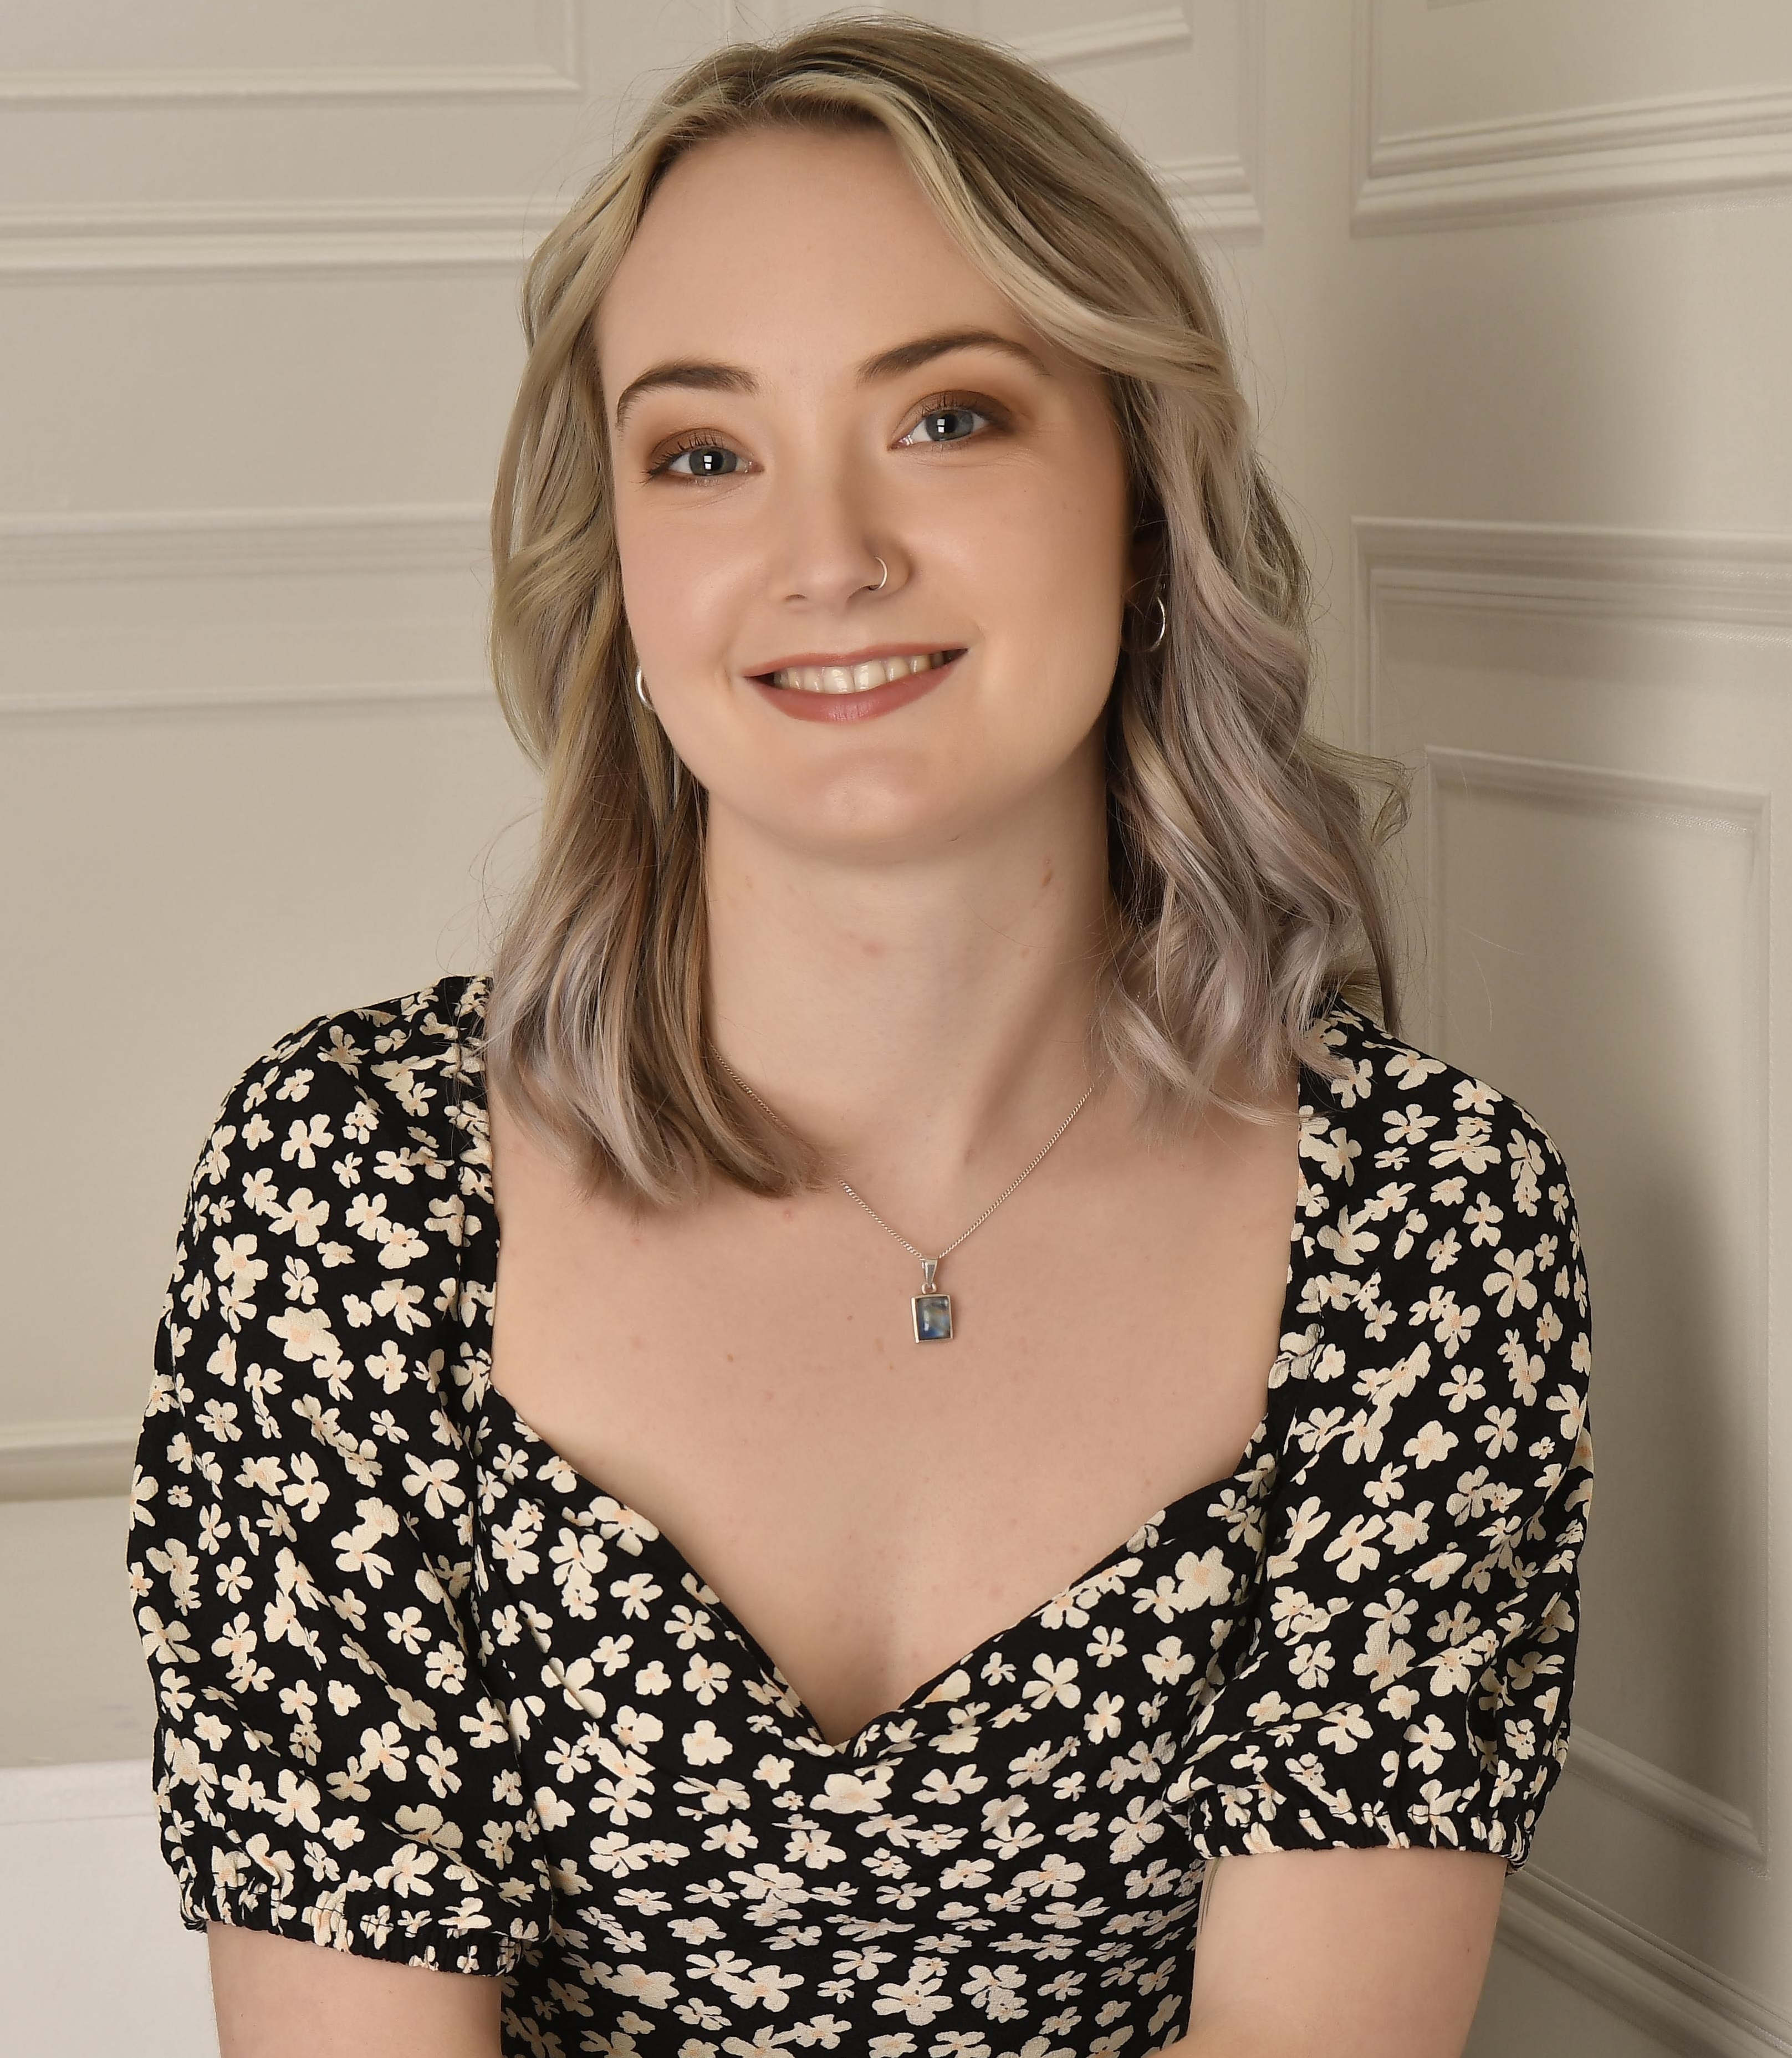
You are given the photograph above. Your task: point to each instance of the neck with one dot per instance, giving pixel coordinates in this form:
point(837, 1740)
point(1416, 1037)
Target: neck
point(922, 1020)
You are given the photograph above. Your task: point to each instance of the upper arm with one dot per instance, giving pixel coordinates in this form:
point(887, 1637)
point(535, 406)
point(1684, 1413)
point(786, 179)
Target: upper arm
point(1338, 1953)
point(1408, 1657)
point(332, 1768)
point(1380, 1749)
point(281, 1997)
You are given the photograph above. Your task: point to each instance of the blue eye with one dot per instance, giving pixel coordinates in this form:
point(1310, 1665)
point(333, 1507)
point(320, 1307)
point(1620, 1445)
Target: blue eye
point(709, 464)
point(938, 421)
point(950, 421)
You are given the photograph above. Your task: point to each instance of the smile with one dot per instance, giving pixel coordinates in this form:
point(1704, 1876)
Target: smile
point(854, 686)
point(864, 677)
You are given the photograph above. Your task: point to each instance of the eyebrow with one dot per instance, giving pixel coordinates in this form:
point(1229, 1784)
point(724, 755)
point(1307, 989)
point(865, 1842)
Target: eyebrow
point(709, 376)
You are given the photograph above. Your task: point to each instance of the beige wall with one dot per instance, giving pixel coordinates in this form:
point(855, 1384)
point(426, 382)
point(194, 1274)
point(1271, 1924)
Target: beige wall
point(1514, 278)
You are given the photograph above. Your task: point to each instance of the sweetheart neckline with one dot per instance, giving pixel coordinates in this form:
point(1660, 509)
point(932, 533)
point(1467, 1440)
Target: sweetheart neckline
point(1169, 1522)
point(474, 1110)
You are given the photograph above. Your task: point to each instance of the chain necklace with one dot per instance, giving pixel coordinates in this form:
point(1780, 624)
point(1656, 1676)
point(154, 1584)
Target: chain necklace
point(932, 1310)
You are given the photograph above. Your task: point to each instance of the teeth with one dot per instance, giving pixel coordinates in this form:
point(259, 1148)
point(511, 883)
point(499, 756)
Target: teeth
point(856, 678)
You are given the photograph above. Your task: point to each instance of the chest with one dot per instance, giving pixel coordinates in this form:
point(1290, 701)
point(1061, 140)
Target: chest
point(745, 1375)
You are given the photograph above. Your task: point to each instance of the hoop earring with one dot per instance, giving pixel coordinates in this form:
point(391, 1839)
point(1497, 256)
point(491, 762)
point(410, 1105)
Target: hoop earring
point(640, 694)
point(1156, 643)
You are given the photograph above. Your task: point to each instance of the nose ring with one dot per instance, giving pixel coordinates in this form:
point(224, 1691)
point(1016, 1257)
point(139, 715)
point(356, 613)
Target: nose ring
point(884, 581)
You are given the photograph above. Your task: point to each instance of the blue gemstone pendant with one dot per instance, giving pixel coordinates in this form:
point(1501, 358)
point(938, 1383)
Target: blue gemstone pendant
point(933, 1312)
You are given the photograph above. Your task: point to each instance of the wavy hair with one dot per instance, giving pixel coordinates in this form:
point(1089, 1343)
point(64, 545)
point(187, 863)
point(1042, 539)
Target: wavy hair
point(1244, 854)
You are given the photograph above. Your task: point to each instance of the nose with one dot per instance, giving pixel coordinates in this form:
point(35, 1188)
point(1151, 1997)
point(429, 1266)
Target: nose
point(826, 541)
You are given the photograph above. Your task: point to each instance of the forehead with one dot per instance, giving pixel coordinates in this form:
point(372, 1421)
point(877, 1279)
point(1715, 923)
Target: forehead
point(797, 251)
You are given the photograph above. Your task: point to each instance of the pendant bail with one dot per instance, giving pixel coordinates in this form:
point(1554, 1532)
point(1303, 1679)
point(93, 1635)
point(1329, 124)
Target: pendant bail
point(929, 1266)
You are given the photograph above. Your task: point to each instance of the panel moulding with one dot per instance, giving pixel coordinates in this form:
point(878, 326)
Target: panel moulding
point(341, 695)
point(1688, 808)
point(1639, 1975)
point(1150, 34)
point(755, 19)
point(264, 239)
point(1214, 196)
point(1620, 1773)
point(1724, 810)
point(67, 1460)
point(119, 241)
point(1740, 582)
point(556, 72)
point(1676, 147)
point(157, 544)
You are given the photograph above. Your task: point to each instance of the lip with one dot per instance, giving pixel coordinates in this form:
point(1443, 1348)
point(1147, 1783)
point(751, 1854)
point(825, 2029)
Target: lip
point(865, 706)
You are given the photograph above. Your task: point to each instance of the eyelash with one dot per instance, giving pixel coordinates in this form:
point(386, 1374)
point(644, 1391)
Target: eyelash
point(941, 403)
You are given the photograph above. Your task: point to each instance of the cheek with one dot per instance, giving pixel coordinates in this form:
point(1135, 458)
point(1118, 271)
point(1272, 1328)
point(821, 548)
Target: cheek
point(677, 596)
point(1057, 563)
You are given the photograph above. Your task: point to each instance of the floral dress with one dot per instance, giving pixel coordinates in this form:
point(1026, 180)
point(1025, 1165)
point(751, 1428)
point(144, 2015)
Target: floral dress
point(427, 1694)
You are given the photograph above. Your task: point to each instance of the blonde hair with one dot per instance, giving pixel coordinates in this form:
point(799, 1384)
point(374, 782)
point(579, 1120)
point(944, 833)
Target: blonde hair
point(1245, 876)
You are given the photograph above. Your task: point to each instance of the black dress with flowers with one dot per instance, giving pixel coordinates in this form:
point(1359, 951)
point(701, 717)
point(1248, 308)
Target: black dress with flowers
point(425, 1693)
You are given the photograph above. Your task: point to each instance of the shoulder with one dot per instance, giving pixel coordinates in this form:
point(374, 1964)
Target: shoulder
point(393, 1056)
point(384, 1077)
point(370, 1098)
point(1398, 1118)
point(1439, 1260)
point(333, 1202)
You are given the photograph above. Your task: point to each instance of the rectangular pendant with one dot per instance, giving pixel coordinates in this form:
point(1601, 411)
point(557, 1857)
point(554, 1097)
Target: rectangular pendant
point(933, 1318)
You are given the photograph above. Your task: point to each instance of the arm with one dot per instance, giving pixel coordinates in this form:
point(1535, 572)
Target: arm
point(1402, 1705)
point(284, 1997)
point(340, 1800)
point(1343, 1954)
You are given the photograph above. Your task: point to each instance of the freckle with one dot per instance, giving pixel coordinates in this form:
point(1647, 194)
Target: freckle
point(729, 1355)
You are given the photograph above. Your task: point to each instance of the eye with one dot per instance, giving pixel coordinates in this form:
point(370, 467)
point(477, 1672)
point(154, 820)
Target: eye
point(947, 421)
point(710, 458)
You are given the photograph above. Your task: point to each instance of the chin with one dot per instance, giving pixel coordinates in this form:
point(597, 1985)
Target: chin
point(897, 813)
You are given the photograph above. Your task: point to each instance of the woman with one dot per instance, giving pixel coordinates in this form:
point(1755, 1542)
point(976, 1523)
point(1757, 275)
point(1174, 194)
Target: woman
point(691, 1624)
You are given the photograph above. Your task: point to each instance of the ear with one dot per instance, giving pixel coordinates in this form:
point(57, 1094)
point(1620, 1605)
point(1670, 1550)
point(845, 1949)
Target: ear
point(1144, 562)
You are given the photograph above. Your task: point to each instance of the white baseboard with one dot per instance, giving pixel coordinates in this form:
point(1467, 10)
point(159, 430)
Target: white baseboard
point(1638, 1976)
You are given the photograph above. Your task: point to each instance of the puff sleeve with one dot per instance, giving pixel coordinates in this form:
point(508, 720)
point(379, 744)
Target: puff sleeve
point(1407, 1658)
point(327, 1763)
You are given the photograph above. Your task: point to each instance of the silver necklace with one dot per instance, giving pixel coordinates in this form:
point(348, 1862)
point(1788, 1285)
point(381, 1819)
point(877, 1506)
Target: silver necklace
point(932, 1310)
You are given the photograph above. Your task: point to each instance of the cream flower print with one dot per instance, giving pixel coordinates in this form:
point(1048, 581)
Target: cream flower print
point(425, 1693)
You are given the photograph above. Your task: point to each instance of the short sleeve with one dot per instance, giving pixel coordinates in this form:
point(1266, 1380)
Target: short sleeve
point(1406, 1668)
point(327, 1763)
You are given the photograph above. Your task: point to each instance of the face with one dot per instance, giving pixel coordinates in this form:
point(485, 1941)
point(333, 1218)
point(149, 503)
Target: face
point(783, 414)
